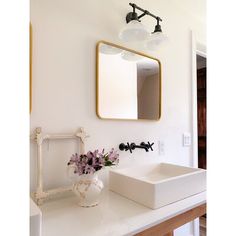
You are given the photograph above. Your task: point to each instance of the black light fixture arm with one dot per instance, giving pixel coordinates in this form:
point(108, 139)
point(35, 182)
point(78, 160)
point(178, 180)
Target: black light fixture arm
point(145, 12)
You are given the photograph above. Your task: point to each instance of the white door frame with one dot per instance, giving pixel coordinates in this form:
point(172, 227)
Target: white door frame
point(197, 49)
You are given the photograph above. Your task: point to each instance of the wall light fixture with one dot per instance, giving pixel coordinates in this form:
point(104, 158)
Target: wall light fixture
point(136, 31)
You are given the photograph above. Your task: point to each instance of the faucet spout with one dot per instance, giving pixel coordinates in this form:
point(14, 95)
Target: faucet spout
point(133, 145)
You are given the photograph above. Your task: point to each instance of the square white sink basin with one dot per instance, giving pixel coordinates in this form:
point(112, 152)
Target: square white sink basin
point(156, 185)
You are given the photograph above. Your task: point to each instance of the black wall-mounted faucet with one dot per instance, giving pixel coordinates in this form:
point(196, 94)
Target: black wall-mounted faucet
point(132, 146)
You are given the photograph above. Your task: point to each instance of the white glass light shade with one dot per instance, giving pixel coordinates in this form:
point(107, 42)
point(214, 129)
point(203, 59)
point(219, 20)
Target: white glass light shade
point(133, 31)
point(110, 50)
point(154, 40)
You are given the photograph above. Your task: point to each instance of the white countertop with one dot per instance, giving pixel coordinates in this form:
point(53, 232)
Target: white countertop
point(34, 209)
point(114, 216)
point(35, 219)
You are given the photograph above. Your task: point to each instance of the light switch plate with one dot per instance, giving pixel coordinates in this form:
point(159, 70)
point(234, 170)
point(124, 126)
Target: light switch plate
point(187, 141)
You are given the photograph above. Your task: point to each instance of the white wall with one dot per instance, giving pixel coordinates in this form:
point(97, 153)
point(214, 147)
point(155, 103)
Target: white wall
point(65, 33)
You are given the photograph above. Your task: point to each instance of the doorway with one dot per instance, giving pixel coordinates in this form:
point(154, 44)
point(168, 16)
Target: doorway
point(201, 122)
point(201, 111)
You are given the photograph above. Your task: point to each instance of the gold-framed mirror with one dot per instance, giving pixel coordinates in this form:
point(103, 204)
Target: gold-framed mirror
point(128, 84)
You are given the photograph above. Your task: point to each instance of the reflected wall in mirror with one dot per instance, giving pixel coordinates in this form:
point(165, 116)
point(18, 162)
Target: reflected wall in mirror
point(128, 84)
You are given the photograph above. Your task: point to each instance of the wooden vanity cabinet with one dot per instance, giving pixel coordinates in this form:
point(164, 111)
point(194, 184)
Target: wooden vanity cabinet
point(167, 227)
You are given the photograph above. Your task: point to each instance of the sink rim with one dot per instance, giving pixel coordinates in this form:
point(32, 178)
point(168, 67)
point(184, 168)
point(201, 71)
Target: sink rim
point(195, 172)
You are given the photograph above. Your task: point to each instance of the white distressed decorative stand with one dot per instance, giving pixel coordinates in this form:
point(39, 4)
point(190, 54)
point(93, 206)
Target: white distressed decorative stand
point(40, 195)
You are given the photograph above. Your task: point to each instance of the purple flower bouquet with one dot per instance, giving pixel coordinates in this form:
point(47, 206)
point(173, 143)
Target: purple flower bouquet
point(93, 161)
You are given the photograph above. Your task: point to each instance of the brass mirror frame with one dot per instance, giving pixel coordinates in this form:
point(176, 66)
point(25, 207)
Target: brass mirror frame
point(30, 66)
point(97, 81)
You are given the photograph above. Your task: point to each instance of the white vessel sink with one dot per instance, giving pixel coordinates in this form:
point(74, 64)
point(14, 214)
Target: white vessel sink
point(157, 185)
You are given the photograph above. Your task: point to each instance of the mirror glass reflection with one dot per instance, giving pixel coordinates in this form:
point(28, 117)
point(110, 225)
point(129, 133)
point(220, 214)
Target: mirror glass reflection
point(128, 84)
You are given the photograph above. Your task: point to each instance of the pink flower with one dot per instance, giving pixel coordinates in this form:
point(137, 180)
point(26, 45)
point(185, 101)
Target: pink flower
point(93, 161)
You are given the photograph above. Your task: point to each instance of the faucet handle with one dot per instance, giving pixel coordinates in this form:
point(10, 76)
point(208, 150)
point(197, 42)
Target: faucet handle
point(130, 147)
point(147, 145)
point(150, 145)
point(127, 147)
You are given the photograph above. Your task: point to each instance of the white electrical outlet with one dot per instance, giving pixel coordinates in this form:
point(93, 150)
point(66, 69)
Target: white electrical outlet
point(187, 139)
point(161, 148)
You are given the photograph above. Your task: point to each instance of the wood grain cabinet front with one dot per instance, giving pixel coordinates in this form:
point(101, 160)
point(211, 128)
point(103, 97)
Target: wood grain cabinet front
point(167, 227)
